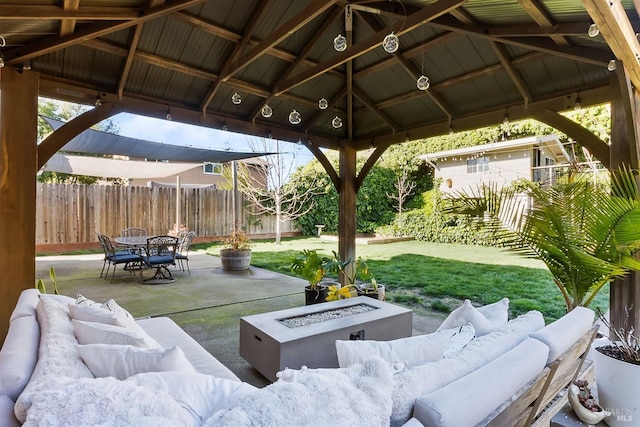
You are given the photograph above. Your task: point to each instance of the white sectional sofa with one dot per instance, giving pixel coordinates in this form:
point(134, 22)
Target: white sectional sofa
point(57, 367)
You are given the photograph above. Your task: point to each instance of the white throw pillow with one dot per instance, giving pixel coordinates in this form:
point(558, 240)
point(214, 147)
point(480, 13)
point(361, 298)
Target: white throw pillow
point(123, 361)
point(464, 314)
point(459, 339)
point(82, 300)
point(200, 394)
point(496, 313)
point(400, 353)
point(96, 313)
point(102, 333)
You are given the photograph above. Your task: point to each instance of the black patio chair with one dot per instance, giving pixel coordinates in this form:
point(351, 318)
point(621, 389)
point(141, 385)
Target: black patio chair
point(182, 253)
point(160, 253)
point(113, 257)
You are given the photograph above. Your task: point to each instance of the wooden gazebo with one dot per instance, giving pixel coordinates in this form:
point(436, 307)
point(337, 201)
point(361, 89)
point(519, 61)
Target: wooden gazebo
point(312, 72)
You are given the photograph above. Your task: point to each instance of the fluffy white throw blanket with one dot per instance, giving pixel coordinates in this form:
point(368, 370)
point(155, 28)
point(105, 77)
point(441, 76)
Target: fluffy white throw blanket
point(359, 395)
point(105, 402)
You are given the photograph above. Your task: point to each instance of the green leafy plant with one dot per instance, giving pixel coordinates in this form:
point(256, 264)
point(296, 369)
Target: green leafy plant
point(352, 271)
point(238, 240)
point(311, 266)
point(42, 287)
point(586, 234)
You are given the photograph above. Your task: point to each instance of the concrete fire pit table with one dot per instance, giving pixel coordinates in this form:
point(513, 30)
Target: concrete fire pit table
point(305, 336)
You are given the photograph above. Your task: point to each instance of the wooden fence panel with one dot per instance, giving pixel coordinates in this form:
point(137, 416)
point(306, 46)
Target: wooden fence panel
point(73, 213)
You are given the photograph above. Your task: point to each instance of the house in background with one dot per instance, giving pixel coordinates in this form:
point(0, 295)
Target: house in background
point(536, 158)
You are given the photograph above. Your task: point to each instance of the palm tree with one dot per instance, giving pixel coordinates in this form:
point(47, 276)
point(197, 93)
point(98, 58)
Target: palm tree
point(586, 234)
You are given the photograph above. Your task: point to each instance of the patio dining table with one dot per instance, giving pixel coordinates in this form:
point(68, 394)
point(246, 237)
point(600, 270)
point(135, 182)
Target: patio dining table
point(135, 244)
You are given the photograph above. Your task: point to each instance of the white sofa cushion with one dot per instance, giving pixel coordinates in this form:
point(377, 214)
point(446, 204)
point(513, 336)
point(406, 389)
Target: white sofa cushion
point(492, 317)
point(123, 361)
point(167, 333)
point(565, 331)
point(413, 383)
point(102, 333)
point(470, 399)
point(6, 412)
point(202, 395)
point(19, 355)
point(26, 305)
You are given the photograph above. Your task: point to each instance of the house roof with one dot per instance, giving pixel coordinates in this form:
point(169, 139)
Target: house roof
point(550, 141)
point(485, 59)
point(96, 142)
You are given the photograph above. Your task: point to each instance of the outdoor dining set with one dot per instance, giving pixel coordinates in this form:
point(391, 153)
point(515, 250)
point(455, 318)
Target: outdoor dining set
point(137, 252)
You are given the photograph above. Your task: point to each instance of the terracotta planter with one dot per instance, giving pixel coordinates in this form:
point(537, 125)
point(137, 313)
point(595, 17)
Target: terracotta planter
point(235, 260)
point(617, 384)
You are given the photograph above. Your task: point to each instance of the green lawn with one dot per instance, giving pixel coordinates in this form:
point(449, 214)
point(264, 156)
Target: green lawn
point(438, 276)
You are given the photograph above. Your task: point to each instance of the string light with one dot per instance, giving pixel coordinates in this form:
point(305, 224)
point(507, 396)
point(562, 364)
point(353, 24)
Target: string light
point(266, 111)
point(295, 118)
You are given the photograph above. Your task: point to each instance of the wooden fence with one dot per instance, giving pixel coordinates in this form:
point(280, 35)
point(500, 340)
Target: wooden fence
point(73, 213)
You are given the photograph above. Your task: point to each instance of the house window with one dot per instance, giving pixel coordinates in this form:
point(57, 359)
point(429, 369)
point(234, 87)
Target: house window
point(212, 169)
point(481, 164)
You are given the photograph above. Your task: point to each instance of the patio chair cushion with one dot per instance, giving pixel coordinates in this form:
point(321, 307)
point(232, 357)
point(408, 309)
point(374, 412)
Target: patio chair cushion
point(202, 395)
point(468, 400)
point(123, 258)
point(102, 333)
point(484, 321)
point(403, 352)
point(565, 331)
point(123, 361)
point(19, 355)
point(158, 260)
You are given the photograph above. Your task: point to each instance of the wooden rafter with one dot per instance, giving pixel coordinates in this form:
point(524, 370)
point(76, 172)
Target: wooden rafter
point(614, 25)
point(250, 26)
point(68, 25)
point(403, 26)
point(86, 32)
point(541, 16)
point(513, 74)
point(133, 46)
point(300, 20)
point(93, 13)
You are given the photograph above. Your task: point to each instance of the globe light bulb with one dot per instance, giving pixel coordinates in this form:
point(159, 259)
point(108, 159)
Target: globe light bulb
point(391, 43)
point(423, 83)
point(266, 111)
point(323, 104)
point(612, 65)
point(593, 30)
point(236, 99)
point(295, 118)
point(340, 43)
point(336, 122)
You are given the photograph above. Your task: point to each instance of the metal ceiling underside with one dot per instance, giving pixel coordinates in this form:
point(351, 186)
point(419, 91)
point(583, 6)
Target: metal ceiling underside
point(486, 59)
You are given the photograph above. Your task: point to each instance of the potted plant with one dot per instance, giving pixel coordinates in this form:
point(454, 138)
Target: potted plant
point(617, 367)
point(311, 266)
point(584, 405)
point(236, 253)
point(586, 234)
point(352, 271)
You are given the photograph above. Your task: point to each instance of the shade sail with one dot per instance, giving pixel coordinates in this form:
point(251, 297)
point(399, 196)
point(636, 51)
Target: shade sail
point(110, 168)
point(96, 142)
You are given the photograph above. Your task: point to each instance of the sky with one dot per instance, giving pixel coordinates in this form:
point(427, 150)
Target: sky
point(171, 132)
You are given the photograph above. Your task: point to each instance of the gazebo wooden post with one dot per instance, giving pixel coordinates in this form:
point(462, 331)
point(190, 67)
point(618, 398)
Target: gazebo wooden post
point(18, 159)
point(624, 293)
point(347, 204)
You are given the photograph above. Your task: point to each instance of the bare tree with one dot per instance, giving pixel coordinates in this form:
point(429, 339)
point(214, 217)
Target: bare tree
point(405, 188)
point(268, 190)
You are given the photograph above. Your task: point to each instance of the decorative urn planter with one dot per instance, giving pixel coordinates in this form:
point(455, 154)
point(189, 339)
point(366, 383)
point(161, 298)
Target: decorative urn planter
point(617, 383)
point(235, 260)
